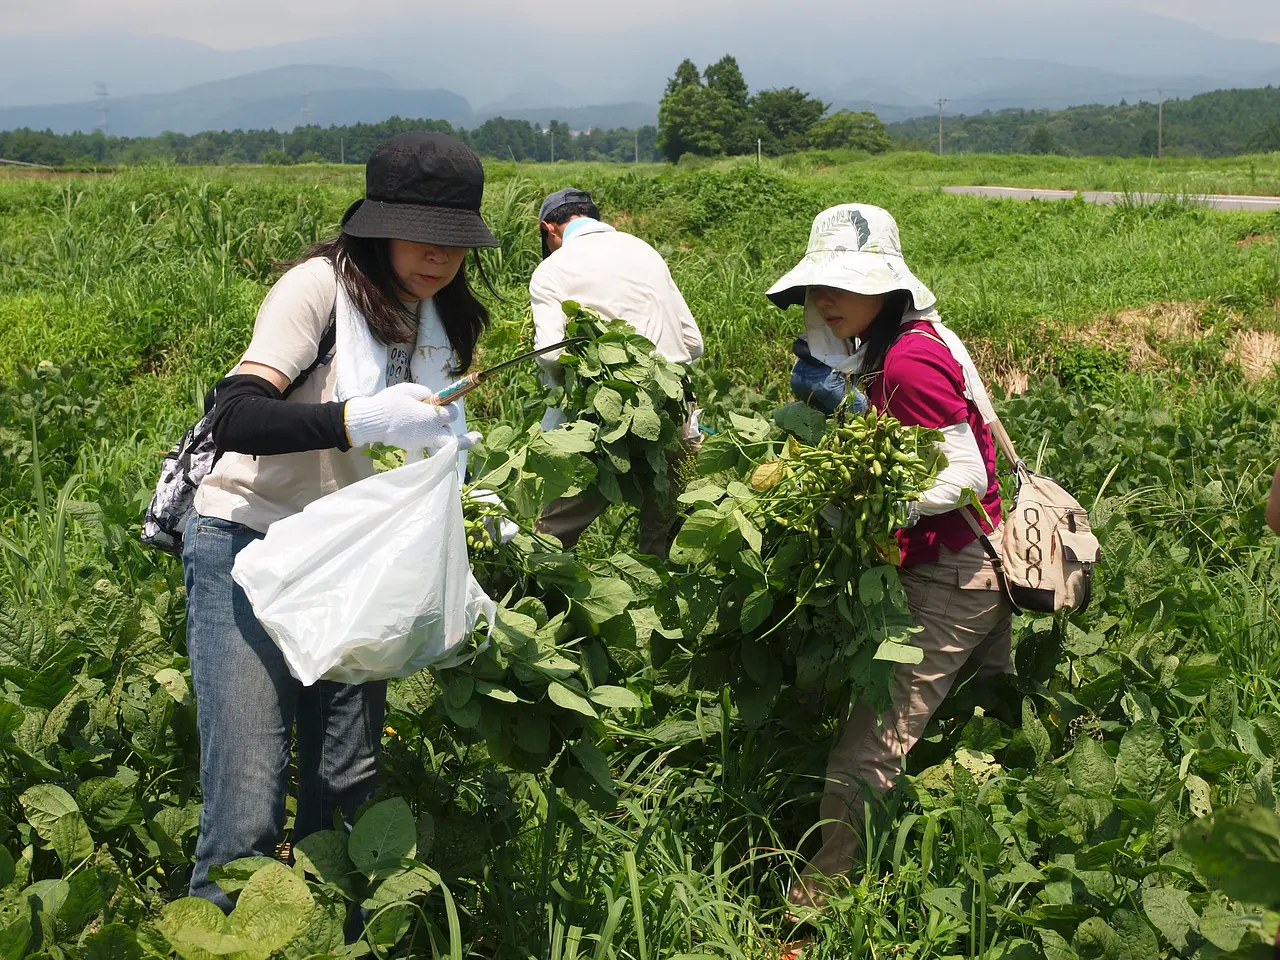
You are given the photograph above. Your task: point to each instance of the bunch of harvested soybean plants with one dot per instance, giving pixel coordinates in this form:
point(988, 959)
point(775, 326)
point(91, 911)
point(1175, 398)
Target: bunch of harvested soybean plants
point(799, 554)
point(634, 396)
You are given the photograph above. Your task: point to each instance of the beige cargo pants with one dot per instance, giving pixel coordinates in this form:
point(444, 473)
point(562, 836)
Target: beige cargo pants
point(966, 635)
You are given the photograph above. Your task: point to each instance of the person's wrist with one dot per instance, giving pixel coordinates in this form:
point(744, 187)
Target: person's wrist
point(363, 421)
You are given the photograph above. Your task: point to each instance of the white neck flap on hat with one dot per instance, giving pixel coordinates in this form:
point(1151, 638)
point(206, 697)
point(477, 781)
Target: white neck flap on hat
point(842, 355)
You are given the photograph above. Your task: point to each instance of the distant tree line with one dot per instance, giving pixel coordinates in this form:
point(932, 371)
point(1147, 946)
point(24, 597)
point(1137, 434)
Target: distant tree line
point(500, 138)
point(1219, 124)
point(713, 114)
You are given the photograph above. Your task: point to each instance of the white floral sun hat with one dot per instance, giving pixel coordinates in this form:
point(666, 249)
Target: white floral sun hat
point(852, 247)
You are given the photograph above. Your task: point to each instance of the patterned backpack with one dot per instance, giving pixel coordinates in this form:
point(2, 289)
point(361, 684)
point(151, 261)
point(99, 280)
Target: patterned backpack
point(1047, 552)
point(194, 457)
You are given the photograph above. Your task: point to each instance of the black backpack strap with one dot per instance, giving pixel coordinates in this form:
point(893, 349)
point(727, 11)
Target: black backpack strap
point(324, 353)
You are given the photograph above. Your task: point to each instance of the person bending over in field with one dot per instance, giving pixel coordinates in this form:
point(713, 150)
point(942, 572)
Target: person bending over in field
point(391, 293)
point(619, 277)
point(865, 310)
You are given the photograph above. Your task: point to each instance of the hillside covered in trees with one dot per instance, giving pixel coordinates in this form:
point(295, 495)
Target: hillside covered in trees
point(1219, 124)
point(504, 139)
point(712, 113)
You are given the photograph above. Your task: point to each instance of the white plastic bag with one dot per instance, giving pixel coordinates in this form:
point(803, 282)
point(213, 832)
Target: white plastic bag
point(372, 581)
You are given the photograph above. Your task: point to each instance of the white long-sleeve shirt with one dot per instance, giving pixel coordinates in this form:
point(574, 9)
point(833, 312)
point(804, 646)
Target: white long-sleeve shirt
point(619, 277)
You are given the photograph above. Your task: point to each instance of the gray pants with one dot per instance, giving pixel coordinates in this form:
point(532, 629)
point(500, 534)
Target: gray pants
point(966, 635)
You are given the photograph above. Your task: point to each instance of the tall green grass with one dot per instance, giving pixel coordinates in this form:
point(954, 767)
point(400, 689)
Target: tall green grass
point(149, 280)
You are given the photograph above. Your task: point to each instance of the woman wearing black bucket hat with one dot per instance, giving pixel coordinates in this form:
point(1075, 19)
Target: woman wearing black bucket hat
point(349, 348)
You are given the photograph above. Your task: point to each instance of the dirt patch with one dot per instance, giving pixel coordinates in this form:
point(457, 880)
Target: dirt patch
point(1144, 332)
point(1257, 352)
point(1254, 239)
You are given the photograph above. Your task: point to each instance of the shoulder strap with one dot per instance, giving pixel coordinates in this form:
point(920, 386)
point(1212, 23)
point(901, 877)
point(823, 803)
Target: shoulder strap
point(324, 352)
point(1001, 435)
point(989, 548)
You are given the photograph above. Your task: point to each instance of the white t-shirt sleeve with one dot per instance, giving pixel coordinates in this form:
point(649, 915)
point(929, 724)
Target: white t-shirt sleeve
point(293, 318)
point(965, 469)
point(689, 332)
point(548, 320)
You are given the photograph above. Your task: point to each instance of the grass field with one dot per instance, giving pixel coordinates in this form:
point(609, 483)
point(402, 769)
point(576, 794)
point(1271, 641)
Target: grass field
point(1136, 347)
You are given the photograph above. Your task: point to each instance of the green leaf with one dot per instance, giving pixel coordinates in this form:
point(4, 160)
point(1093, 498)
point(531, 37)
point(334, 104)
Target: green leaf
point(1222, 927)
point(107, 802)
point(756, 609)
point(802, 420)
point(612, 354)
point(1141, 766)
point(1095, 940)
point(1238, 850)
point(495, 692)
point(383, 836)
point(1169, 912)
point(750, 532)
point(603, 598)
point(1137, 938)
point(596, 764)
point(115, 941)
point(324, 856)
point(7, 867)
point(1092, 770)
point(403, 886)
point(608, 404)
point(950, 900)
point(646, 424)
point(1035, 731)
point(44, 804)
point(234, 876)
point(14, 939)
point(568, 699)
point(70, 839)
point(175, 684)
point(614, 698)
point(896, 652)
point(196, 928)
point(699, 537)
point(273, 907)
point(1200, 797)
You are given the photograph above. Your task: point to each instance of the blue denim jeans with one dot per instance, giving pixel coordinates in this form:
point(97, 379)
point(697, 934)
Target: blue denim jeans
point(247, 706)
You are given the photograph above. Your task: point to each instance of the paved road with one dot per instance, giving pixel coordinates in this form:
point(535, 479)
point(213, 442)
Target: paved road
point(1215, 201)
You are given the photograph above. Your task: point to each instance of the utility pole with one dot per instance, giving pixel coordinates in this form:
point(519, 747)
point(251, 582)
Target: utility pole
point(342, 150)
point(759, 150)
point(553, 146)
point(637, 146)
point(941, 101)
point(1160, 128)
point(104, 111)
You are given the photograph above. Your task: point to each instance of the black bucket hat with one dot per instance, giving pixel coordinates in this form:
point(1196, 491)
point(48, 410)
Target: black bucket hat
point(424, 187)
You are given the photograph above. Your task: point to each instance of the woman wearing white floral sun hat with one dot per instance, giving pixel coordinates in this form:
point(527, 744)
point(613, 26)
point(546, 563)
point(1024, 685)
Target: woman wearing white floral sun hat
point(867, 314)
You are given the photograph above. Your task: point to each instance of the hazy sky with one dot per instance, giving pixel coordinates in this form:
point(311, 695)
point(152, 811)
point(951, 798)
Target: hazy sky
point(229, 24)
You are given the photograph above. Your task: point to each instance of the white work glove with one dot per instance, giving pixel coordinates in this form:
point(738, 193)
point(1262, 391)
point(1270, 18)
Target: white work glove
point(401, 416)
point(500, 529)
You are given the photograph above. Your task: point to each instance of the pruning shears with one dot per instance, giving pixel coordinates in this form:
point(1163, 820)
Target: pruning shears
point(460, 388)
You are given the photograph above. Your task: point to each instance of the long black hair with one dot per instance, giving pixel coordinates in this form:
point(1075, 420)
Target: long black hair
point(884, 330)
point(363, 267)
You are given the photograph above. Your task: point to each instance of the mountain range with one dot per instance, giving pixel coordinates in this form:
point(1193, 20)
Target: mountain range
point(976, 58)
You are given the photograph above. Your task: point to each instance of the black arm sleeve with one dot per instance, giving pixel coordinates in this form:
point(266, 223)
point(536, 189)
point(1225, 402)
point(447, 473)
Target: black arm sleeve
point(252, 417)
